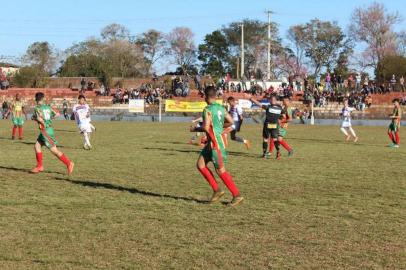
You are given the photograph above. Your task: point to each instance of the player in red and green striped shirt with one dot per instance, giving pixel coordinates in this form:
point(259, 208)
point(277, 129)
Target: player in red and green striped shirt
point(44, 114)
point(215, 118)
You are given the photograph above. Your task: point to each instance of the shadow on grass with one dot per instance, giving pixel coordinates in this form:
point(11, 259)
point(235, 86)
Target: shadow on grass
point(231, 153)
point(67, 130)
point(59, 146)
point(130, 190)
point(342, 142)
point(172, 150)
point(26, 170)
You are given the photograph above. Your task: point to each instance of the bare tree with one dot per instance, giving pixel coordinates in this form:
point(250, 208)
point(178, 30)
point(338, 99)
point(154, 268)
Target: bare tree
point(374, 26)
point(182, 46)
point(296, 35)
point(154, 46)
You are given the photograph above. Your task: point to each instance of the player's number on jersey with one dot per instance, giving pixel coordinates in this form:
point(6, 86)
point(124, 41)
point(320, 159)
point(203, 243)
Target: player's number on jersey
point(220, 115)
point(47, 115)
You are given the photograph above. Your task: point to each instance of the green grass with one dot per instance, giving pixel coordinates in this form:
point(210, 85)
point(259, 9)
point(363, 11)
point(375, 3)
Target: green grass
point(134, 202)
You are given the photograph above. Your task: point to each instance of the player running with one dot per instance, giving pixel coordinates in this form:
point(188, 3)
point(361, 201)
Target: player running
point(81, 112)
point(17, 110)
point(44, 114)
point(215, 118)
point(270, 130)
point(346, 125)
point(393, 130)
point(236, 113)
point(286, 117)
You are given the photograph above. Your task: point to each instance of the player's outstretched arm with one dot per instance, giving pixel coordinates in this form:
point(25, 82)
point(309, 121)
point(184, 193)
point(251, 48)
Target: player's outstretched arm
point(253, 100)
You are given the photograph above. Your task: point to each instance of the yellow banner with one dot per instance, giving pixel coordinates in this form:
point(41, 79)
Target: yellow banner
point(186, 106)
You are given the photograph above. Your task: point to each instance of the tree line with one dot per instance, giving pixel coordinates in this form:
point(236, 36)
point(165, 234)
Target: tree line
point(307, 50)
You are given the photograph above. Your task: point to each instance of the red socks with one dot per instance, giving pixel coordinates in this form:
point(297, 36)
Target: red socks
point(285, 145)
point(271, 145)
point(13, 134)
point(228, 181)
point(208, 175)
point(64, 159)
point(20, 132)
point(397, 138)
point(39, 159)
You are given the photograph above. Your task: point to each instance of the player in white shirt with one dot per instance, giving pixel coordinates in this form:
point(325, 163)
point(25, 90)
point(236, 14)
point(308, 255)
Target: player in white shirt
point(235, 112)
point(82, 117)
point(346, 126)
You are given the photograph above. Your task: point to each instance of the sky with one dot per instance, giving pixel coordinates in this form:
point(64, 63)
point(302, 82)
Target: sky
point(63, 23)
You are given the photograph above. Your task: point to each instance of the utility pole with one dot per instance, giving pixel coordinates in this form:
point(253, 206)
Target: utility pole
point(269, 46)
point(242, 51)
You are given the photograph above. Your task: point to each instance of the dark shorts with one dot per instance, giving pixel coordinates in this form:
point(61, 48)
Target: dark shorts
point(270, 132)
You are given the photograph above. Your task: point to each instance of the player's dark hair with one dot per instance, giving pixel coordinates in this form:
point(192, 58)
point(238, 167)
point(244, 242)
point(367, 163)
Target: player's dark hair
point(230, 99)
point(210, 91)
point(39, 96)
point(81, 96)
point(396, 100)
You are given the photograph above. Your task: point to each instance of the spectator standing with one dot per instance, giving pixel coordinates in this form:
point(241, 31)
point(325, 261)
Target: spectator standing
point(393, 82)
point(357, 81)
point(402, 83)
point(328, 82)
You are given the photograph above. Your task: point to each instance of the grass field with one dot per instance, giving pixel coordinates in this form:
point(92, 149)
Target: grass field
point(137, 202)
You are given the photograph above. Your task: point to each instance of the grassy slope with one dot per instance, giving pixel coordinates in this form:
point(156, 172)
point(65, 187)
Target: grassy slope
point(134, 202)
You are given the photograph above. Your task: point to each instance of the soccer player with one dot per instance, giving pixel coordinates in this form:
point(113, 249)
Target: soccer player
point(270, 130)
point(346, 125)
point(286, 117)
point(236, 113)
point(215, 117)
point(65, 105)
point(81, 112)
point(17, 110)
point(393, 130)
point(44, 114)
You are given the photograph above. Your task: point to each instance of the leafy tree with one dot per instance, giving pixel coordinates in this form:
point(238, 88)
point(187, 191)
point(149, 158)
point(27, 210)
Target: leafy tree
point(392, 64)
point(214, 54)
point(323, 42)
point(255, 43)
point(30, 76)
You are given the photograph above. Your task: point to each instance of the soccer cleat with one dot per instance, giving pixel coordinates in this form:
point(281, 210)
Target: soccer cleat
point(216, 196)
point(37, 170)
point(20, 138)
point(396, 146)
point(278, 155)
point(356, 139)
point(290, 153)
point(267, 155)
point(13, 138)
point(247, 144)
point(70, 168)
point(236, 200)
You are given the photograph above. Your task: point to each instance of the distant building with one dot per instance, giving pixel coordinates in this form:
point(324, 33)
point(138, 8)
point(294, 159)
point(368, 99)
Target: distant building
point(8, 70)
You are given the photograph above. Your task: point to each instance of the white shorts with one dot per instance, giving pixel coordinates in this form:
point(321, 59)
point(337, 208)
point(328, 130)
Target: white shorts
point(85, 127)
point(346, 124)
